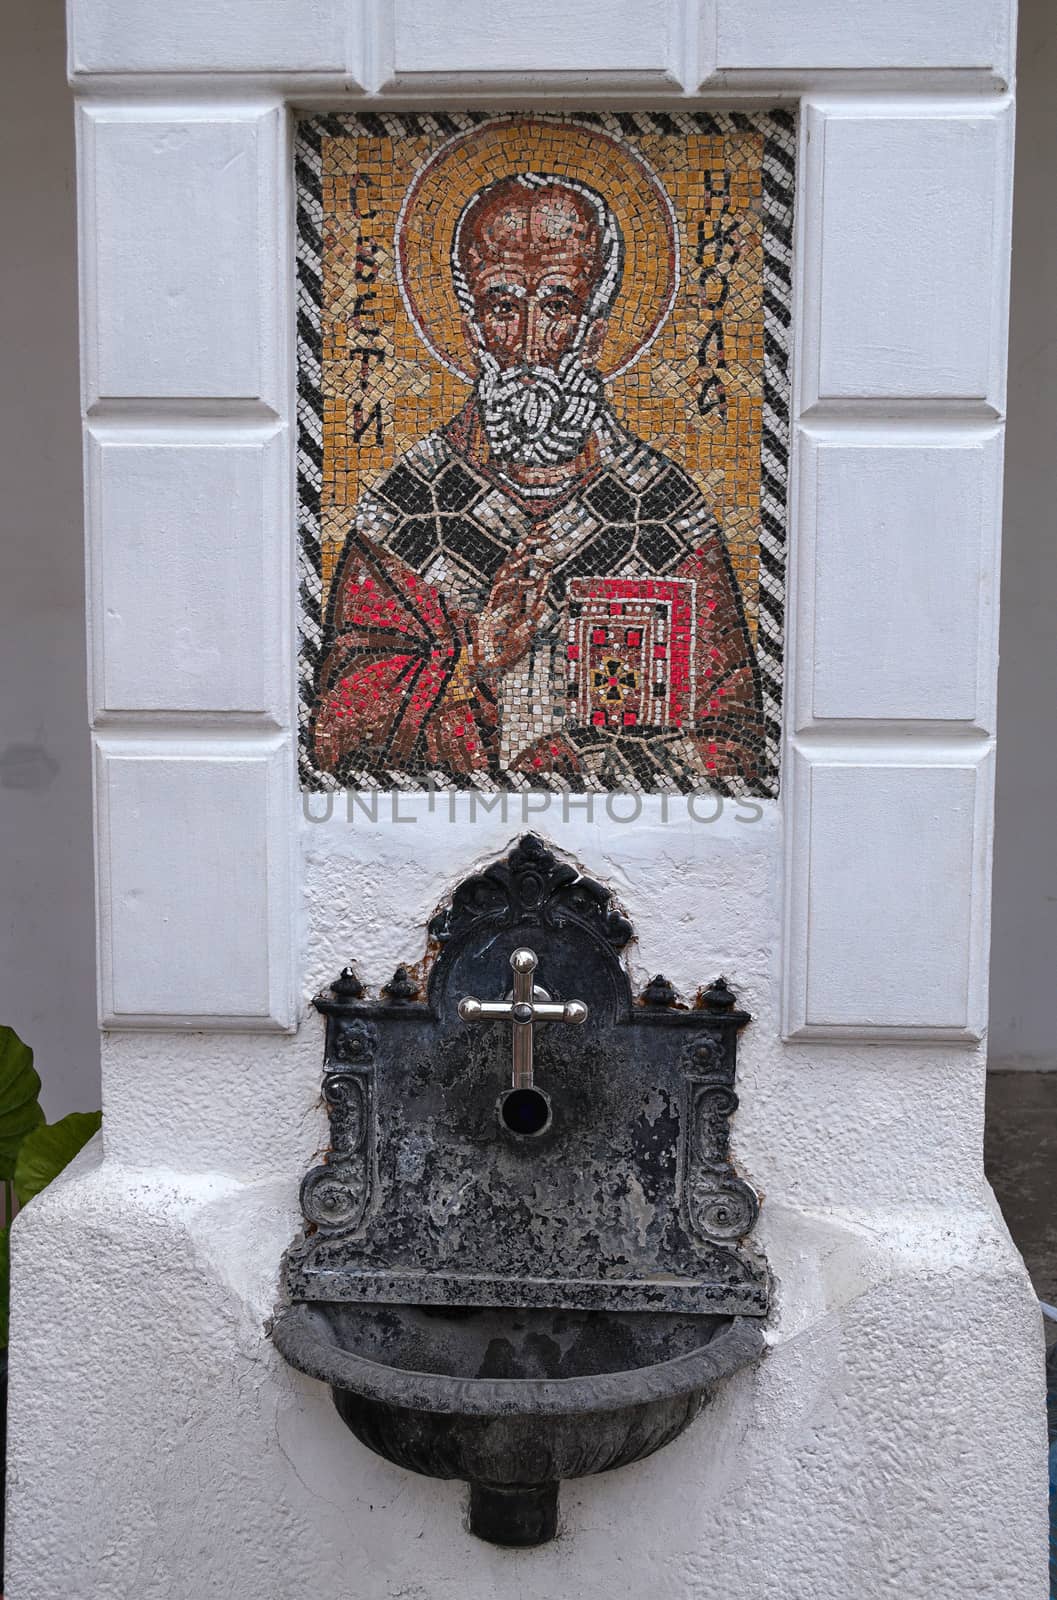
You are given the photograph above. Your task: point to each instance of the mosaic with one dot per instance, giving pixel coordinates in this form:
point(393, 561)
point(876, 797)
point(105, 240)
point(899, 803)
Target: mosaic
point(542, 410)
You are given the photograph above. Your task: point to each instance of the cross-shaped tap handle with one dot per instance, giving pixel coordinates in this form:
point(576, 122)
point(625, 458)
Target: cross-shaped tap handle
point(523, 1010)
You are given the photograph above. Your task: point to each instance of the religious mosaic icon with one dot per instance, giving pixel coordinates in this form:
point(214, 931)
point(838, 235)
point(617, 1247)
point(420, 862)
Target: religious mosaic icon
point(543, 386)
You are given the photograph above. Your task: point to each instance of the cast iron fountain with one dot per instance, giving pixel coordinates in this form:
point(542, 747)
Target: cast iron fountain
point(524, 1257)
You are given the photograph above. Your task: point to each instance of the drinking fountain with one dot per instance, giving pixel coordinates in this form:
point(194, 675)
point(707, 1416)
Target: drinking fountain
point(525, 1251)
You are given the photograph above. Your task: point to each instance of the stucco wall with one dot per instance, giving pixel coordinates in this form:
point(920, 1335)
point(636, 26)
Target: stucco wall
point(47, 940)
point(852, 1465)
point(832, 1472)
point(47, 924)
point(1024, 932)
point(892, 1443)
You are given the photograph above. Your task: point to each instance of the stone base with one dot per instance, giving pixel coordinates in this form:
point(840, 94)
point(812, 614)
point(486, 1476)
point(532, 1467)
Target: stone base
point(891, 1444)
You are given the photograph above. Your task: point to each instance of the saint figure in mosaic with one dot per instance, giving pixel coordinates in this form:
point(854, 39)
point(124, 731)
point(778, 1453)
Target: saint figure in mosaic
point(531, 592)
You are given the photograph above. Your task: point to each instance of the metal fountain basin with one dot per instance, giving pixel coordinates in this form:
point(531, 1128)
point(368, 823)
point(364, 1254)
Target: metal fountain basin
point(514, 1399)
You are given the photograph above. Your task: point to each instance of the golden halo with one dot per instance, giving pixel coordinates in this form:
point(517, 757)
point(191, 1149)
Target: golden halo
point(511, 145)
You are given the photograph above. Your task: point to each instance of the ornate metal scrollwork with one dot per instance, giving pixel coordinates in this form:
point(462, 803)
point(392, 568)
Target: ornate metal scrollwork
point(345, 1094)
point(531, 885)
point(335, 1193)
point(353, 1041)
point(720, 1206)
point(704, 1057)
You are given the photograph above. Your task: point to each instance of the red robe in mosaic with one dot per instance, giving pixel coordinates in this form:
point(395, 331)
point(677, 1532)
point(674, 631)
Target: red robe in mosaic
point(596, 638)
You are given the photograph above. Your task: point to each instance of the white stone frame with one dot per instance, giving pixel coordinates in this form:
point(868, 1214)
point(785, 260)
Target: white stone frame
point(187, 311)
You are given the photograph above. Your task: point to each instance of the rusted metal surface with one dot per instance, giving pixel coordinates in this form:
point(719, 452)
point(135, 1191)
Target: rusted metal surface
point(626, 1196)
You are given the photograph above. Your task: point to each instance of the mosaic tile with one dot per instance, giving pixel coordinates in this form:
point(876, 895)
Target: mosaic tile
point(543, 437)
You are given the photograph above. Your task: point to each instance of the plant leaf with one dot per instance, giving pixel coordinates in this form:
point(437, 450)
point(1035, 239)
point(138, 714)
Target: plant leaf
point(19, 1107)
point(48, 1149)
point(5, 1283)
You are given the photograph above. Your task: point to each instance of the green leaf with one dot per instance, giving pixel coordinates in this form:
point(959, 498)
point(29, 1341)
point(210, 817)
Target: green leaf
point(48, 1149)
point(19, 1107)
point(5, 1283)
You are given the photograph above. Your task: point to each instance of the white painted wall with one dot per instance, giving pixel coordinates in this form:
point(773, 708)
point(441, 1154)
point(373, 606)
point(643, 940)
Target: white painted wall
point(47, 927)
point(893, 1442)
point(47, 937)
point(1024, 958)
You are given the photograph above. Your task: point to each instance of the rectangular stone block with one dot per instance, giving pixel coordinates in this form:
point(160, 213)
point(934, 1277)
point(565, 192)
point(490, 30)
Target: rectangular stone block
point(178, 230)
point(860, 35)
point(204, 36)
point(194, 884)
point(888, 896)
point(905, 257)
point(636, 38)
point(898, 568)
point(188, 573)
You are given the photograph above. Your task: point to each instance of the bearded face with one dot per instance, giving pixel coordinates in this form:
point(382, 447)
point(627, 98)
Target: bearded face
point(538, 416)
point(530, 258)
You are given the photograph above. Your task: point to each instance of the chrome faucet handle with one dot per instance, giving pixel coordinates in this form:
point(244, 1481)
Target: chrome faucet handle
point(524, 1010)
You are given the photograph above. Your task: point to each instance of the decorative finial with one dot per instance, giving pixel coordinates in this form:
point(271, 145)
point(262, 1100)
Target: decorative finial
point(401, 987)
point(659, 992)
point(347, 986)
point(530, 852)
point(718, 996)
